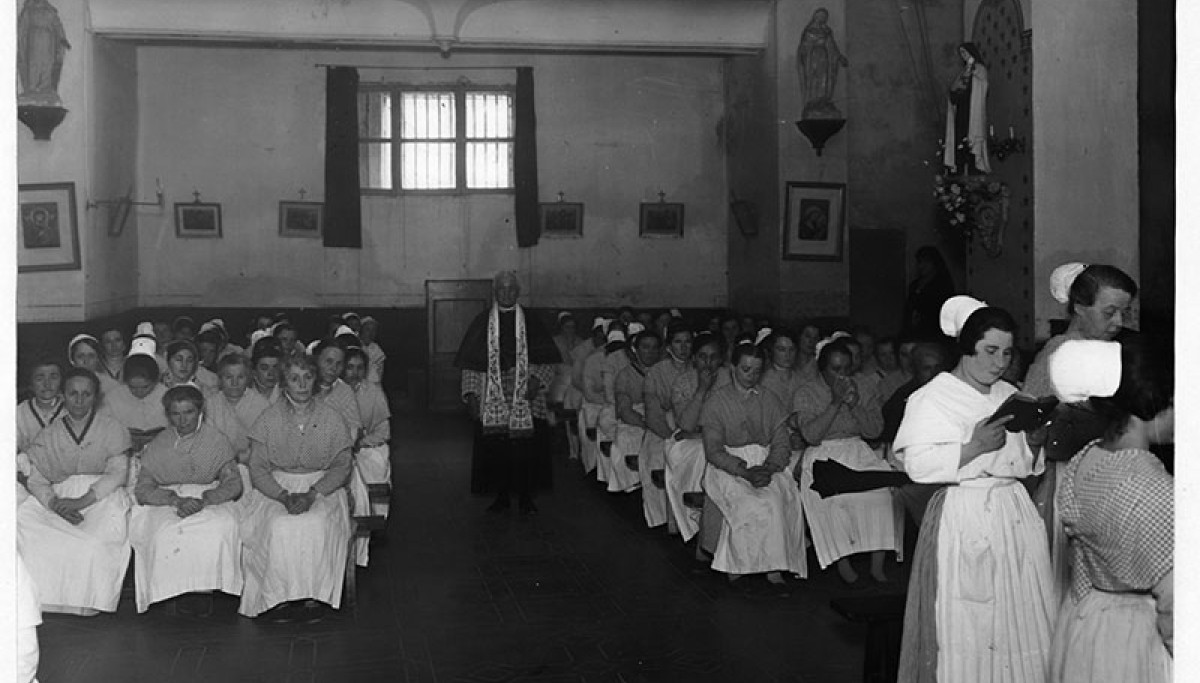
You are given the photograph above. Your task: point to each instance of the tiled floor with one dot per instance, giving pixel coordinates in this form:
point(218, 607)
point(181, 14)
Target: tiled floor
point(582, 592)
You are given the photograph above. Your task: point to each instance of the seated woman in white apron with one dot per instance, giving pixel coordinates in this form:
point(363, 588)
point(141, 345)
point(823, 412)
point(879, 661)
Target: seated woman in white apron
point(611, 364)
point(85, 351)
point(297, 527)
point(376, 358)
point(184, 530)
point(72, 532)
point(749, 477)
point(40, 410)
point(137, 404)
point(685, 463)
point(372, 462)
point(834, 415)
point(646, 446)
point(591, 388)
point(622, 473)
point(1116, 503)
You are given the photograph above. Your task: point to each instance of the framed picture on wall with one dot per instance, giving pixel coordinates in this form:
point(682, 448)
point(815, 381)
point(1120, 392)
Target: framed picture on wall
point(661, 219)
point(47, 228)
point(301, 219)
point(561, 219)
point(814, 221)
point(197, 219)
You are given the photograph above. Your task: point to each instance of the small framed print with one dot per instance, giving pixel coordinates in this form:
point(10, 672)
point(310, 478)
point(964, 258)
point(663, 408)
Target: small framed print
point(814, 221)
point(661, 219)
point(197, 219)
point(301, 219)
point(48, 229)
point(561, 219)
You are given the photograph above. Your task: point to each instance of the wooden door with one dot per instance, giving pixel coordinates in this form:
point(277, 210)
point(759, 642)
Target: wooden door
point(450, 305)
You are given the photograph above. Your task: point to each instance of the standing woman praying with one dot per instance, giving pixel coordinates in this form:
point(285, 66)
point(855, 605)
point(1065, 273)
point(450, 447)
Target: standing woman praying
point(72, 531)
point(980, 601)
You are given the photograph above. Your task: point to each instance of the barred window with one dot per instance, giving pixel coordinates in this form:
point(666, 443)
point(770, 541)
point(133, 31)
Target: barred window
point(435, 140)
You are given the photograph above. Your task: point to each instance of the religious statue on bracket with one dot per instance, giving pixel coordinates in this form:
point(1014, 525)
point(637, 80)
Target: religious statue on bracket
point(966, 148)
point(41, 46)
point(818, 61)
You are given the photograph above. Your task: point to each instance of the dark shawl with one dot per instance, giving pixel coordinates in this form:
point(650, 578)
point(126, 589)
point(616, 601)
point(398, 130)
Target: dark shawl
point(472, 353)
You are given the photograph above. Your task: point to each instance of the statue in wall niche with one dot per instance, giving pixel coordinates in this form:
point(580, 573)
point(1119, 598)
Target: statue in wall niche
point(41, 45)
point(965, 148)
point(818, 60)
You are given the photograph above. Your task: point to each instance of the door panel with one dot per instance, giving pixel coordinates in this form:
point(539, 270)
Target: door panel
point(450, 305)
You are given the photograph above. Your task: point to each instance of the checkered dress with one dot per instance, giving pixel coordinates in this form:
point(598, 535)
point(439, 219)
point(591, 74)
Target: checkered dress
point(1118, 509)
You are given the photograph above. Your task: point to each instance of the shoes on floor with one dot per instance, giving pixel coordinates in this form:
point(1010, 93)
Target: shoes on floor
point(195, 605)
point(310, 612)
point(280, 614)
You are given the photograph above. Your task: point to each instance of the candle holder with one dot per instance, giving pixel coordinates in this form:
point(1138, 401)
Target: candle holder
point(1002, 148)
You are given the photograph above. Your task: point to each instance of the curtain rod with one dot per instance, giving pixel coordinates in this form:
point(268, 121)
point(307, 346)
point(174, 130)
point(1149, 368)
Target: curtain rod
point(421, 68)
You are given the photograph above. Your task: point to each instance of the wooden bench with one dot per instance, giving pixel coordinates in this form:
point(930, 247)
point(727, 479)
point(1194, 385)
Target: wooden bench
point(884, 617)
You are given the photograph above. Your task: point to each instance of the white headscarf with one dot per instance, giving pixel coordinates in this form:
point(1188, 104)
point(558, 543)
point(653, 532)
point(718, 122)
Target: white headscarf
point(1082, 368)
point(955, 312)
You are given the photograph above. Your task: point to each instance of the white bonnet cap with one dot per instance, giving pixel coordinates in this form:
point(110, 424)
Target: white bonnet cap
point(342, 329)
point(258, 335)
point(762, 335)
point(599, 322)
point(210, 325)
point(955, 312)
point(675, 313)
point(144, 329)
point(312, 346)
point(840, 334)
point(635, 327)
point(1062, 278)
point(1083, 368)
point(615, 336)
point(144, 342)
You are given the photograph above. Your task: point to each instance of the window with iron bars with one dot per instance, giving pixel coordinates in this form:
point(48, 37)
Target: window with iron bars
point(451, 139)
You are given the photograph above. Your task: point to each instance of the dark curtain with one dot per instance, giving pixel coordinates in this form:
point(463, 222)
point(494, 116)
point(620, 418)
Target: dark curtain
point(525, 161)
point(343, 212)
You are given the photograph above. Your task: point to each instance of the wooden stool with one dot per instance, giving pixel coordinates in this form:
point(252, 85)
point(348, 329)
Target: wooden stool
point(884, 617)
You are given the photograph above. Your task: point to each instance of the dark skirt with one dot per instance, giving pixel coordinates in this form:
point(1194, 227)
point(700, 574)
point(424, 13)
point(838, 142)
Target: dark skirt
point(500, 464)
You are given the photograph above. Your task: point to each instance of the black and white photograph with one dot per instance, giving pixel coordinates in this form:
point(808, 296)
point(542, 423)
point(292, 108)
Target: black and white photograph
point(601, 341)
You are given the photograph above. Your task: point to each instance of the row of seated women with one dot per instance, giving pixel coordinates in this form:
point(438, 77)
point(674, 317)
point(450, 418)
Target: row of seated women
point(1072, 583)
point(728, 431)
point(244, 488)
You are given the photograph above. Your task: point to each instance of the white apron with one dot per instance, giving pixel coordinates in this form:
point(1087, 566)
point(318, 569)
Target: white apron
point(606, 432)
point(994, 603)
point(685, 465)
point(589, 448)
point(764, 528)
point(77, 568)
point(174, 555)
point(654, 499)
point(628, 441)
point(852, 522)
point(371, 466)
point(294, 557)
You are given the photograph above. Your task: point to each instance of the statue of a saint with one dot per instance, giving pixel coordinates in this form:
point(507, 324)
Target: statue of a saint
point(966, 149)
point(818, 60)
point(41, 45)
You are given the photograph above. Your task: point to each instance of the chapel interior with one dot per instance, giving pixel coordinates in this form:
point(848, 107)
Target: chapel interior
point(171, 104)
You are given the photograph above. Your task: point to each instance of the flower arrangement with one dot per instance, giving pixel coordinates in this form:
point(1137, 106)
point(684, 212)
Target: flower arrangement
point(961, 197)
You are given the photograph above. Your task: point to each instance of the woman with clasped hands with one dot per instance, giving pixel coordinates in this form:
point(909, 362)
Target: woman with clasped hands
point(72, 532)
point(980, 601)
point(297, 527)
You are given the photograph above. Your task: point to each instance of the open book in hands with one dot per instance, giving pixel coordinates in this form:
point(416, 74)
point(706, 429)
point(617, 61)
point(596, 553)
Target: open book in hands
point(1028, 412)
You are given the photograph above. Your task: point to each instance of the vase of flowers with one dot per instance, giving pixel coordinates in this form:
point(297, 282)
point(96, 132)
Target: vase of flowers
point(974, 207)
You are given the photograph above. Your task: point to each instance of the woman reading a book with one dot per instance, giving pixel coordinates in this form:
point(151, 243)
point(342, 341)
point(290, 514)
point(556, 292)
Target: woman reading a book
point(980, 601)
point(1117, 505)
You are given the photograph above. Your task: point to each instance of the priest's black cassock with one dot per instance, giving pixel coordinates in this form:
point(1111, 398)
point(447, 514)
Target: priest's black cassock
point(501, 463)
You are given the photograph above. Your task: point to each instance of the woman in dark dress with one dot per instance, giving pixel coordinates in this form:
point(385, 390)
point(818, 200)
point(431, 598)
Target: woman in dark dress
point(926, 294)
